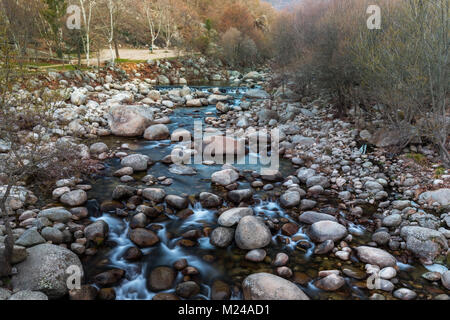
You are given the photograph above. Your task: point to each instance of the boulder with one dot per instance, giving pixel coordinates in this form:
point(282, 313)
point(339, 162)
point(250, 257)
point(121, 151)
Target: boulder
point(256, 94)
point(376, 256)
point(331, 282)
point(441, 196)
point(28, 295)
point(182, 170)
point(143, 237)
point(311, 217)
point(74, 198)
point(157, 132)
point(237, 196)
point(425, 243)
point(252, 233)
point(138, 162)
point(232, 217)
point(221, 237)
point(154, 194)
point(161, 278)
point(30, 238)
point(327, 230)
point(129, 121)
point(177, 202)
point(266, 286)
point(290, 199)
point(18, 255)
point(210, 200)
point(97, 231)
point(45, 270)
point(224, 177)
point(57, 214)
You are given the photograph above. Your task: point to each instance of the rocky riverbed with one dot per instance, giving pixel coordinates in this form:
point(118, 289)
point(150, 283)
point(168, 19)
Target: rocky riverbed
point(340, 219)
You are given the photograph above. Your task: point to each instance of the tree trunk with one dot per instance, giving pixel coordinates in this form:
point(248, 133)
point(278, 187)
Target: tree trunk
point(116, 48)
point(5, 262)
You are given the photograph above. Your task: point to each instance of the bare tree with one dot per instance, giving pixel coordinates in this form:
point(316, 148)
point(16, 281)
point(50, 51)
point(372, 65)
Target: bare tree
point(87, 7)
point(153, 15)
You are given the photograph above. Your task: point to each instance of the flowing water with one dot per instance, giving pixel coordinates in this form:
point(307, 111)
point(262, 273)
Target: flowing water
point(228, 265)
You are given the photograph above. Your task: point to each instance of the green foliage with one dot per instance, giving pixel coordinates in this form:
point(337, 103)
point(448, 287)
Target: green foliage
point(418, 158)
point(53, 12)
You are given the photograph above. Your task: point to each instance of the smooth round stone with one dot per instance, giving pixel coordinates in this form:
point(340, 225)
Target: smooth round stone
point(284, 272)
point(281, 259)
point(327, 230)
point(432, 276)
point(266, 286)
point(256, 255)
point(221, 237)
point(404, 294)
point(375, 256)
point(387, 273)
point(187, 289)
point(161, 278)
point(220, 290)
point(331, 282)
point(252, 233)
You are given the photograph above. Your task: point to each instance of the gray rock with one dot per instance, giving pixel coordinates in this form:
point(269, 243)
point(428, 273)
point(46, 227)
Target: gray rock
point(445, 279)
point(129, 121)
point(138, 162)
point(97, 231)
point(332, 282)
point(98, 148)
point(182, 170)
point(28, 295)
point(30, 238)
point(318, 181)
point(74, 198)
point(252, 233)
point(157, 132)
point(381, 237)
point(256, 94)
point(232, 217)
point(52, 234)
point(19, 253)
point(224, 177)
point(425, 243)
point(305, 173)
point(310, 217)
point(58, 214)
point(154, 194)
point(210, 200)
point(177, 202)
point(290, 199)
point(394, 220)
point(266, 286)
point(441, 196)
point(256, 255)
point(376, 256)
point(45, 270)
point(221, 237)
point(404, 294)
point(4, 294)
point(327, 230)
point(237, 196)
point(373, 187)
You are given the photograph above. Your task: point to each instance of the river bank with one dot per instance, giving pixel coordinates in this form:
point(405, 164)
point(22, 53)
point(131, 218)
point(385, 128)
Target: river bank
point(335, 214)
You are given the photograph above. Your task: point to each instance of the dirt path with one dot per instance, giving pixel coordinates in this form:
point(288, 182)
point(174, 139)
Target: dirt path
point(135, 54)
